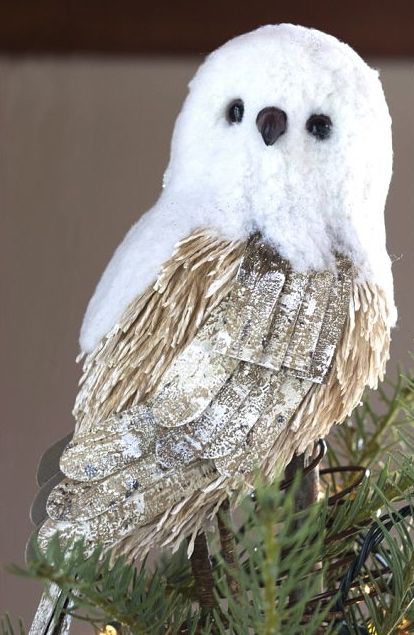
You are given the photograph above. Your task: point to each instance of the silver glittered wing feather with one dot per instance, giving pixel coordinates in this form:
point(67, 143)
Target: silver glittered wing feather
point(218, 407)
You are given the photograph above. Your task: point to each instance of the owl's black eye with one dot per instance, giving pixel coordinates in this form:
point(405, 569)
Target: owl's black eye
point(320, 126)
point(235, 111)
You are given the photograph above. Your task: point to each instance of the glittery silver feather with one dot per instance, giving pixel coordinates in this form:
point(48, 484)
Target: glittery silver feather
point(129, 512)
point(280, 318)
point(93, 456)
point(46, 622)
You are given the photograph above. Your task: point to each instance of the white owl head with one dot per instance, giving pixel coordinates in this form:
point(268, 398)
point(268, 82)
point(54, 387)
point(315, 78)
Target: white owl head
point(286, 129)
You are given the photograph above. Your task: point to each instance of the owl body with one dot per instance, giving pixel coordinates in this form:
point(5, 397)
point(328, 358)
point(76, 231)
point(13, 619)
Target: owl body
point(244, 314)
point(205, 384)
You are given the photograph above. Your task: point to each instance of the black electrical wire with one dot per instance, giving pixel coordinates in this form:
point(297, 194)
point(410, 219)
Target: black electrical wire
point(373, 538)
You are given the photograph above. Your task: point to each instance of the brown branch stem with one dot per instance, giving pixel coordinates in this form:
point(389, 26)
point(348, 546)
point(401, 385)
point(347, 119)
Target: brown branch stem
point(306, 494)
point(228, 545)
point(202, 572)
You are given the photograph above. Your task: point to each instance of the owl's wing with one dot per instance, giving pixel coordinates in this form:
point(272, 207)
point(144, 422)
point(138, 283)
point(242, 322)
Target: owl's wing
point(130, 361)
point(218, 407)
point(126, 368)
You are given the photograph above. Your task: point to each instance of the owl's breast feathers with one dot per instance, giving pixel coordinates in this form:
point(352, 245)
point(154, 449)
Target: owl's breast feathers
point(231, 363)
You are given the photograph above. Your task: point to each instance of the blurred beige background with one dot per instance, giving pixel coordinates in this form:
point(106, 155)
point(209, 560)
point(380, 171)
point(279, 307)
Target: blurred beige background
point(83, 146)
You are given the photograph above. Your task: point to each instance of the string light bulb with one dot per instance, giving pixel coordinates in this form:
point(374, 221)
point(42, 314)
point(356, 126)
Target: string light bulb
point(404, 626)
point(109, 629)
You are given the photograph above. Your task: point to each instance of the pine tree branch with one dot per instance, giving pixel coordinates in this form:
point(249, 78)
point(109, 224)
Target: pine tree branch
point(277, 550)
point(116, 589)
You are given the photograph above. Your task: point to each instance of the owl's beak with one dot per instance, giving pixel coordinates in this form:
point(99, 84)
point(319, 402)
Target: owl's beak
point(271, 123)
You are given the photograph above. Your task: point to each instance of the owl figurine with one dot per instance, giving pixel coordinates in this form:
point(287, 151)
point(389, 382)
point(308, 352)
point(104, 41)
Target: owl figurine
point(245, 313)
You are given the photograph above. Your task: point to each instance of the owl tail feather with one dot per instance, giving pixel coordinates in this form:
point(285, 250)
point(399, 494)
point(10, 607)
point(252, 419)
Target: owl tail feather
point(51, 616)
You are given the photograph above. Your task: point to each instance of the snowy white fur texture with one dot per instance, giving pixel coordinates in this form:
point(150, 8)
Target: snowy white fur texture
point(308, 197)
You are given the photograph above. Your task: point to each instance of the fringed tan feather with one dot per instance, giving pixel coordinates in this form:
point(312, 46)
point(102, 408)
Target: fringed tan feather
point(231, 361)
point(128, 365)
